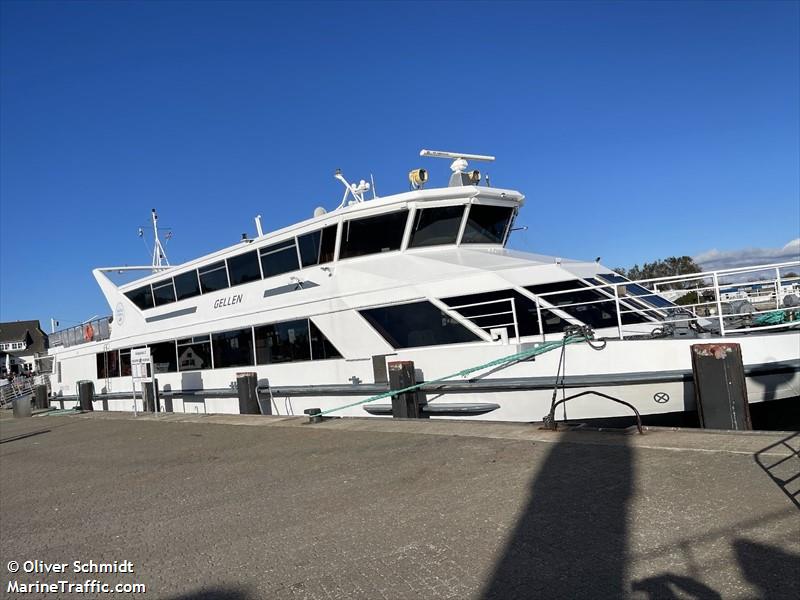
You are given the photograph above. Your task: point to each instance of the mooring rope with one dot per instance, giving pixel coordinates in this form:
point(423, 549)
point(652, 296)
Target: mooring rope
point(525, 354)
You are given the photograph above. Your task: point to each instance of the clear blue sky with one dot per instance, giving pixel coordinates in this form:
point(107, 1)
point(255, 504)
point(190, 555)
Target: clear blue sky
point(637, 130)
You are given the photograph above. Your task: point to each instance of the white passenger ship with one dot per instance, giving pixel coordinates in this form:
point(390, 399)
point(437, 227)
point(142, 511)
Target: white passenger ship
point(317, 310)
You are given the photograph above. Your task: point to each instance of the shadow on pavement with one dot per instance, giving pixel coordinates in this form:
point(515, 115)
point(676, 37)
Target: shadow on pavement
point(667, 586)
point(773, 571)
point(217, 593)
point(571, 539)
point(785, 471)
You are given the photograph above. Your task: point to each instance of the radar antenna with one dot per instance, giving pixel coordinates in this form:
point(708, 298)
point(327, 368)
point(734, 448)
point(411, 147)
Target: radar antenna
point(459, 165)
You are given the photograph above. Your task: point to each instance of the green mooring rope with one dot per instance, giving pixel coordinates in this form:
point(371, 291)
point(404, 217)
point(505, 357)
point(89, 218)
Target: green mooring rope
point(541, 349)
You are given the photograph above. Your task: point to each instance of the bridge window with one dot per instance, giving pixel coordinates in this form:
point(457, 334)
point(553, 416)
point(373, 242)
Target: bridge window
point(163, 292)
point(141, 297)
point(125, 362)
point(194, 353)
point(487, 224)
point(436, 226)
point(108, 364)
point(638, 290)
point(372, 235)
point(279, 258)
point(187, 285)
point(417, 324)
point(243, 268)
point(233, 348)
point(318, 247)
point(213, 277)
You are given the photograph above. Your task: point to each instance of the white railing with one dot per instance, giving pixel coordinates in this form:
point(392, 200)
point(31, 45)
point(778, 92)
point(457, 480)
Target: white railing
point(709, 311)
point(506, 318)
point(21, 387)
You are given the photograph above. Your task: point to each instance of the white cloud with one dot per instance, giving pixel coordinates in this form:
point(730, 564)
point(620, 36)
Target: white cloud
point(713, 260)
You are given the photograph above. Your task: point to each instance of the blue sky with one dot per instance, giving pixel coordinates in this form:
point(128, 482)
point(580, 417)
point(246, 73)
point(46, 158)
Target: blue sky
point(637, 130)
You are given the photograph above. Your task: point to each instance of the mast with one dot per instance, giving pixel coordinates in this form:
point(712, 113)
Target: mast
point(159, 254)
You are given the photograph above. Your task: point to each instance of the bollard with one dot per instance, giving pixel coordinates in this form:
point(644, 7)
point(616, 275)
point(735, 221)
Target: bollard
point(150, 399)
point(246, 385)
point(22, 407)
point(313, 415)
point(85, 395)
point(405, 405)
point(40, 395)
point(719, 386)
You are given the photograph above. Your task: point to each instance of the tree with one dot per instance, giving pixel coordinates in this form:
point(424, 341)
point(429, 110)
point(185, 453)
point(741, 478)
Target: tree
point(668, 267)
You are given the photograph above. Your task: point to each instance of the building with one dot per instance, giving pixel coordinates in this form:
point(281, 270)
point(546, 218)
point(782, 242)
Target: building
point(23, 347)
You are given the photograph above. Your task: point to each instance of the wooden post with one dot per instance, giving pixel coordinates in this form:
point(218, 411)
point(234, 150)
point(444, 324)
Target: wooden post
point(85, 395)
point(247, 387)
point(405, 405)
point(719, 386)
point(40, 394)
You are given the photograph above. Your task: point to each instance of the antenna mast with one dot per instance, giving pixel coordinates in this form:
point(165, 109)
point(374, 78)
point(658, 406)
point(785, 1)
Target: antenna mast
point(159, 254)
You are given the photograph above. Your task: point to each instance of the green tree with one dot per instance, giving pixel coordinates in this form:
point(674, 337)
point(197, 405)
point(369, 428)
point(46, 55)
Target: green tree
point(668, 267)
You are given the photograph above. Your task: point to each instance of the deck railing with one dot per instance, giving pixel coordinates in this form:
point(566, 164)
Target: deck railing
point(715, 301)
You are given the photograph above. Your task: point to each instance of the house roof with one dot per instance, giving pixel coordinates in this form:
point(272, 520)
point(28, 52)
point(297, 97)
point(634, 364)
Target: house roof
point(16, 331)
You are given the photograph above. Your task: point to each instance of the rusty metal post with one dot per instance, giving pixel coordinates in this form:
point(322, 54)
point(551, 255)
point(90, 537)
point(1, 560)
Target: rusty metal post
point(719, 386)
point(405, 405)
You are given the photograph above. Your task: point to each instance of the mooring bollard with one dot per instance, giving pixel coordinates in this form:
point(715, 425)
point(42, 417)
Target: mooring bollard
point(247, 386)
point(85, 395)
point(314, 415)
point(719, 386)
point(401, 375)
point(40, 395)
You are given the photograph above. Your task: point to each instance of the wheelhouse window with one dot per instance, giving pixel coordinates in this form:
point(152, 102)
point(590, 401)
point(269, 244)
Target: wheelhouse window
point(233, 348)
point(164, 357)
point(317, 247)
point(194, 353)
point(244, 268)
point(213, 277)
point(417, 324)
point(487, 224)
point(187, 285)
point(436, 226)
point(141, 297)
point(279, 258)
point(494, 309)
point(372, 235)
point(163, 292)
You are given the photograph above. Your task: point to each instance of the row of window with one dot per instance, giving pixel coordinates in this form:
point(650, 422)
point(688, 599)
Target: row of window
point(289, 341)
point(485, 224)
point(12, 346)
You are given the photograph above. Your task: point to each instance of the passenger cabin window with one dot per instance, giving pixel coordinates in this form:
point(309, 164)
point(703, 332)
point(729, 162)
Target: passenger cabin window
point(125, 362)
point(317, 247)
point(187, 285)
point(487, 224)
point(417, 324)
point(588, 306)
point(163, 292)
point(213, 277)
point(233, 348)
point(493, 309)
point(436, 226)
point(321, 347)
point(372, 235)
point(164, 357)
point(107, 364)
point(244, 268)
point(283, 342)
point(194, 353)
point(638, 290)
point(141, 297)
point(279, 258)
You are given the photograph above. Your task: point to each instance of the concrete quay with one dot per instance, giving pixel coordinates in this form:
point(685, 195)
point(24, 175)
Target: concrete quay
point(250, 507)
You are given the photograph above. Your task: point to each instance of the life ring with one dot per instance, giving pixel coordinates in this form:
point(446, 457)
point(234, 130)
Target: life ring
point(88, 332)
